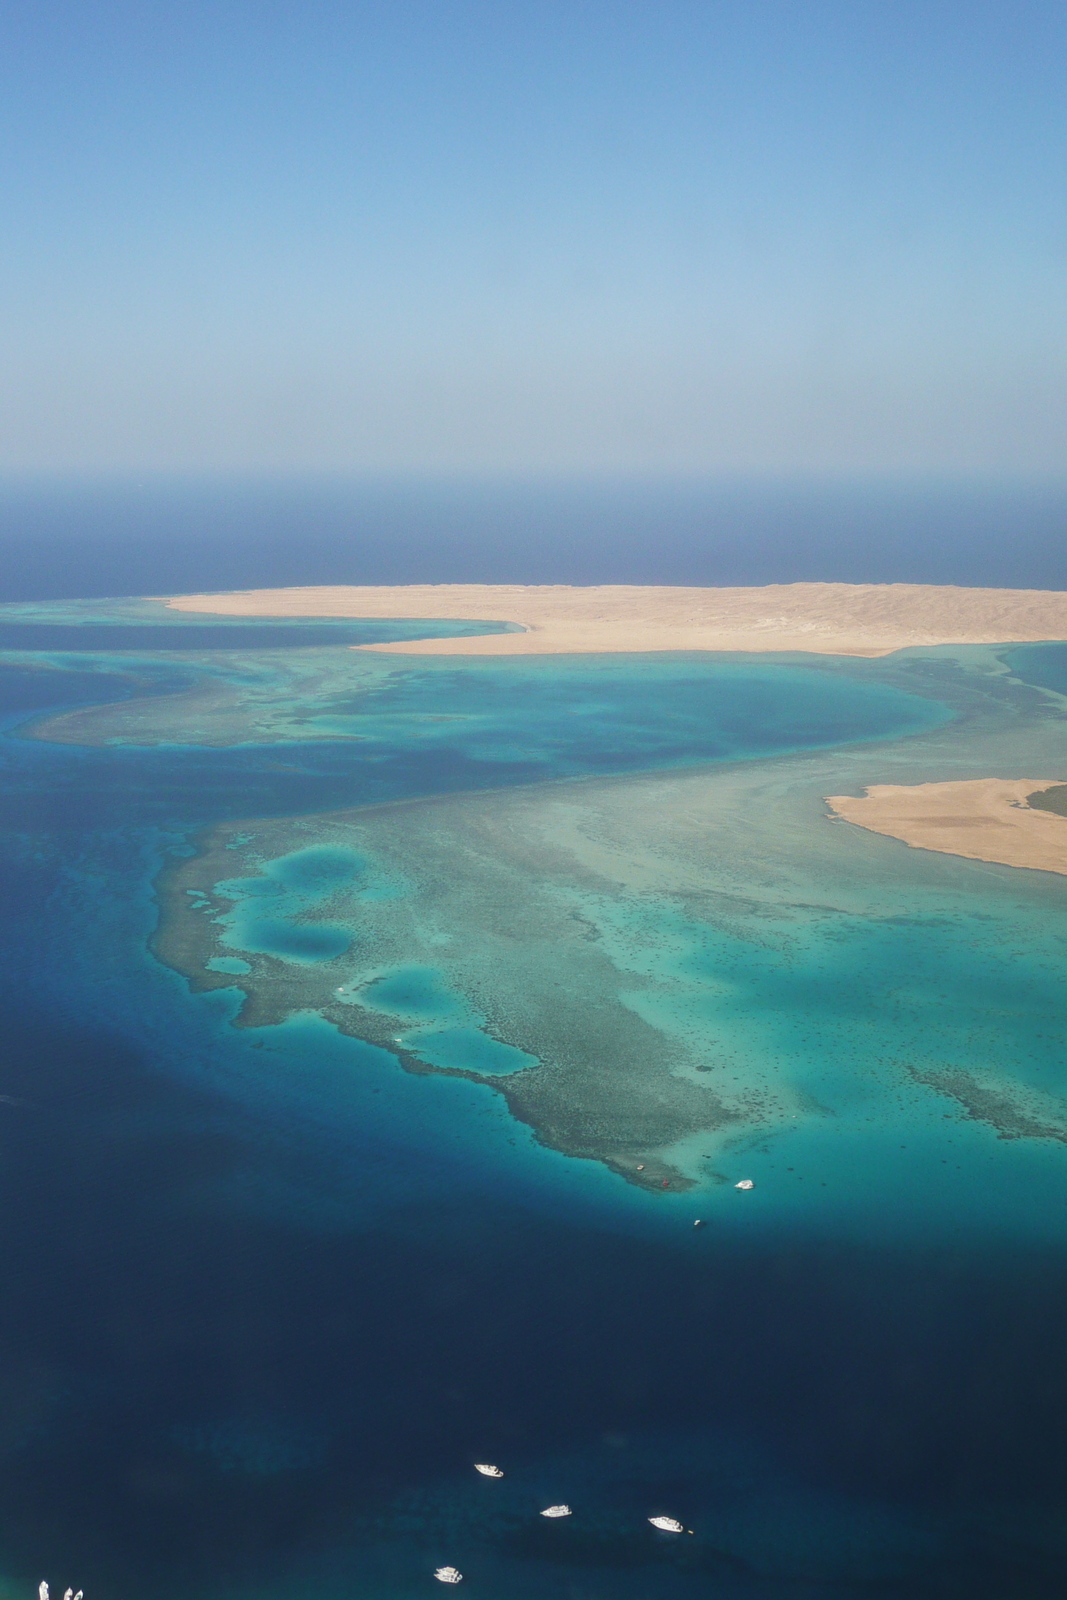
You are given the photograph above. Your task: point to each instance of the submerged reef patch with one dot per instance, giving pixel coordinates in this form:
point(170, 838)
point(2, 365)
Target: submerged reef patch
point(1014, 1113)
point(663, 970)
point(459, 956)
point(655, 971)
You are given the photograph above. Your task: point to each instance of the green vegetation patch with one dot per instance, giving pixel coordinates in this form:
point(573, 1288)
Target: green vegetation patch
point(1050, 800)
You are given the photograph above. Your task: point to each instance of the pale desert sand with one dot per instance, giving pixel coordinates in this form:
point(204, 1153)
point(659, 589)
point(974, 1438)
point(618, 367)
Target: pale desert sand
point(986, 819)
point(825, 618)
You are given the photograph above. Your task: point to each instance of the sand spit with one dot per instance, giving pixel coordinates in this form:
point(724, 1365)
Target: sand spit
point(986, 819)
point(824, 618)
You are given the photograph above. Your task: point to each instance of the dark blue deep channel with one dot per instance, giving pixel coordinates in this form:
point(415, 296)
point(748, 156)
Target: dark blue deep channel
point(260, 1311)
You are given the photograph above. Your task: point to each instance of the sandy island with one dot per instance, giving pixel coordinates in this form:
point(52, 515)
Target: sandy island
point(824, 618)
point(986, 819)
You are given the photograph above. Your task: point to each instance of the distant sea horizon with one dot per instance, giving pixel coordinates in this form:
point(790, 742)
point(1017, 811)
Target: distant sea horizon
point(86, 537)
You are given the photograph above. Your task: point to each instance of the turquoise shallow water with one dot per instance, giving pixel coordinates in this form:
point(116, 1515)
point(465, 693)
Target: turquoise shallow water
point(890, 1018)
point(269, 905)
point(311, 1287)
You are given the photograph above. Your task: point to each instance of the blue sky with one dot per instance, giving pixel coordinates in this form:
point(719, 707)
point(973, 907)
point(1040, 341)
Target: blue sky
point(441, 236)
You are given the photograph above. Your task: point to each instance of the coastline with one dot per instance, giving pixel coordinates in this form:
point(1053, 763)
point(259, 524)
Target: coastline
point(557, 619)
point(984, 819)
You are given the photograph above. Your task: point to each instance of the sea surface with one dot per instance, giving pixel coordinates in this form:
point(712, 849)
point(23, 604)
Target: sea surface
point(78, 538)
point(272, 1287)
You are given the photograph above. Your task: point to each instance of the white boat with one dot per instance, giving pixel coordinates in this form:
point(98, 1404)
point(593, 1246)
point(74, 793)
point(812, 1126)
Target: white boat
point(42, 1591)
point(746, 1183)
point(448, 1575)
point(486, 1470)
point(667, 1524)
point(556, 1511)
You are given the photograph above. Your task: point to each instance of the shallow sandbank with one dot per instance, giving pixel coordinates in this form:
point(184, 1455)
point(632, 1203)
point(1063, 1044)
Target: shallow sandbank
point(824, 618)
point(986, 819)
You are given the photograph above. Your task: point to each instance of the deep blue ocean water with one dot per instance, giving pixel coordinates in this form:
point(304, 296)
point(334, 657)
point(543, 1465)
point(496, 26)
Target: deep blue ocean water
point(1043, 664)
point(80, 538)
point(266, 1297)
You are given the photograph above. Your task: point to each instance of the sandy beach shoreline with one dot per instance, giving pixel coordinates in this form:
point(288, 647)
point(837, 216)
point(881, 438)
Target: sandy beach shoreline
point(985, 819)
point(821, 618)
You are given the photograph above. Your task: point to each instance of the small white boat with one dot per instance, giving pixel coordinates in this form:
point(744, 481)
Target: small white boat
point(746, 1183)
point(667, 1524)
point(42, 1591)
point(556, 1511)
point(448, 1575)
point(486, 1470)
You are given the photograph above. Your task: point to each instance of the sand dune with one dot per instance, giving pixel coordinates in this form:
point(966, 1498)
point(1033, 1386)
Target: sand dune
point(986, 819)
point(826, 618)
